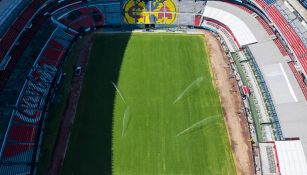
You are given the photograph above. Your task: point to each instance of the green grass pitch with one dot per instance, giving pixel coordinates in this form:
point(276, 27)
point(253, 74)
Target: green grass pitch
point(166, 114)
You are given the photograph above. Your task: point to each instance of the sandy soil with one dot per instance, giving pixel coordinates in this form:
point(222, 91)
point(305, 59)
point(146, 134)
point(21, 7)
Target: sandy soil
point(231, 103)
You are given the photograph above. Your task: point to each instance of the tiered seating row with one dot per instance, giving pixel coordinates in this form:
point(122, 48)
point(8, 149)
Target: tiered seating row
point(289, 30)
point(224, 27)
point(15, 169)
point(262, 3)
point(292, 19)
point(68, 3)
point(12, 33)
point(8, 8)
point(278, 19)
point(291, 36)
point(21, 133)
point(270, 1)
point(243, 8)
point(83, 18)
point(265, 25)
point(296, 43)
point(265, 3)
point(24, 150)
point(281, 47)
point(10, 166)
point(17, 50)
point(20, 143)
point(303, 61)
point(299, 78)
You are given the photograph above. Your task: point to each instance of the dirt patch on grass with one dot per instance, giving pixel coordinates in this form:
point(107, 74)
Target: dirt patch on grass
point(231, 103)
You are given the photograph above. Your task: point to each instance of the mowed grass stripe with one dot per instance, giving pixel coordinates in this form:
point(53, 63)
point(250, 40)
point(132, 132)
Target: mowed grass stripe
point(156, 69)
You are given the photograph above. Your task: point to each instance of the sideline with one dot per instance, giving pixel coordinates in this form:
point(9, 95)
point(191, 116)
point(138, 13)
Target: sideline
point(63, 136)
point(229, 95)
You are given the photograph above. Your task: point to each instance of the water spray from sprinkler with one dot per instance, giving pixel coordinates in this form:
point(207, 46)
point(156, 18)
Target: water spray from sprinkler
point(119, 92)
point(188, 88)
point(198, 125)
point(126, 119)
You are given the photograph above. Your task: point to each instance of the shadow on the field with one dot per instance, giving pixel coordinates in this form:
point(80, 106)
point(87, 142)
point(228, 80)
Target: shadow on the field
point(111, 50)
point(91, 142)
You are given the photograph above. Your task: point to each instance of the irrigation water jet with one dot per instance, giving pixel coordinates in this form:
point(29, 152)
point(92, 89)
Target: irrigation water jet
point(188, 88)
point(126, 119)
point(119, 92)
point(198, 125)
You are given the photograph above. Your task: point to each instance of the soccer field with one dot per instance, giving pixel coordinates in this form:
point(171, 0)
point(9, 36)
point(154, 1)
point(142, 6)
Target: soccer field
point(166, 117)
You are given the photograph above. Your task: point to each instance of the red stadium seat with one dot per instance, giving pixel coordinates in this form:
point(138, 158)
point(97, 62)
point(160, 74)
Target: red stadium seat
point(15, 149)
point(290, 35)
point(299, 78)
point(267, 28)
point(22, 133)
point(28, 13)
point(280, 46)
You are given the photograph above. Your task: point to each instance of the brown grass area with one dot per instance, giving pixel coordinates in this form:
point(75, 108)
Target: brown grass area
point(231, 103)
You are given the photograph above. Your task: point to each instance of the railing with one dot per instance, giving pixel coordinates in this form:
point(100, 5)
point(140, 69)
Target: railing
point(11, 14)
point(245, 105)
point(253, 5)
point(266, 94)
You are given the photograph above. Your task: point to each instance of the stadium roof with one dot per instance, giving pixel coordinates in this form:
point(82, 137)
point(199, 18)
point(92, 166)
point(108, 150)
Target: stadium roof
point(288, 98)
point(291, 159)
point(240, 30)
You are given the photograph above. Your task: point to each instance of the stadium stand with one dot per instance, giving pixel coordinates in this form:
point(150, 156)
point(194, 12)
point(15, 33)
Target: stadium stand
point(281, 47)
point(265, 3)
point(22, 125)
point(83, 18)
point(265, 25)
point(25, 121)
point(299, 78)
point(242, 7)
point(16, 51)
point(303, 2)
point(294, 34)
point(9, 11)
point(23, 59)
point(241, 32)
point(36, 76)
point(54, 7)
point(287, 12)
point(224, 29)
point(13, 33)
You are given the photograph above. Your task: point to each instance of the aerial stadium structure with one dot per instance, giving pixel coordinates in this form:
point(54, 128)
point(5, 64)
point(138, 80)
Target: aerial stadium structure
point(265, 41)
